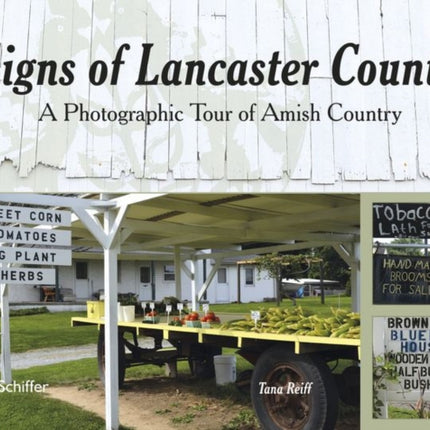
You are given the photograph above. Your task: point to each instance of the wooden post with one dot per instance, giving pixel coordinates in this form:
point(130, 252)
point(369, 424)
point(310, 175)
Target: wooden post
point(322, 283)
point(6, 372)
point(178, 269)
point(278, 286)
point(111, 326)
point(193, 284)
point(355, 278)
point(239, 298)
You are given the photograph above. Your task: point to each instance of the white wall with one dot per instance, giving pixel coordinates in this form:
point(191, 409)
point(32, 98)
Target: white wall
point(129, 282)
point(262, 287)
point(24, 293)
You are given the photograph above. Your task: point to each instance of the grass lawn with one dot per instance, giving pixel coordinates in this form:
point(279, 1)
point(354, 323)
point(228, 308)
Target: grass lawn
point(396, 412)
point(48, 330)
point(23, 411)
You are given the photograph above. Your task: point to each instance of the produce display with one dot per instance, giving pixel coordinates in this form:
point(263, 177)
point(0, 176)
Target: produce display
point(152, 317)
point(341, 324)
point(193, 319)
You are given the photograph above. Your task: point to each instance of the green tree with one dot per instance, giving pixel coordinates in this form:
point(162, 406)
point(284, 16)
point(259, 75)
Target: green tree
point(406, 251)
point(334, 267)
point(280, 266)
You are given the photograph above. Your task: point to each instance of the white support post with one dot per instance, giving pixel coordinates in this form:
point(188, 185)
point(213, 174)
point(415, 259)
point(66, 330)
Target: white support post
point(193, 284)
point(6, 372)
point(178, 270)
point(111, 325)
point(209, 279)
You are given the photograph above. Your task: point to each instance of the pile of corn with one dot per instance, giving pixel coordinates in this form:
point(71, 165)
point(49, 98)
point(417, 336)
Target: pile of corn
point(341, 324)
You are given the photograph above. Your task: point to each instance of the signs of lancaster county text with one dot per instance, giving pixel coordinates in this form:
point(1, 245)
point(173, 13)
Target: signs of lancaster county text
point(202, 112)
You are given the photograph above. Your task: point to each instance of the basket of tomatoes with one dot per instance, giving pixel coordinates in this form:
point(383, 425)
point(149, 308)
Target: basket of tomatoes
point(209, 319)
point(151, 317)
point(192, 319)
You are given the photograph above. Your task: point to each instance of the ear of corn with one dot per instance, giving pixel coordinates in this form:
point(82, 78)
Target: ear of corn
point(341, 324)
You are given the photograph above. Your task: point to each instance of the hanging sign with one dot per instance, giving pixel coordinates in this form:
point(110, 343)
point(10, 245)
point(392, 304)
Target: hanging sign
point(35, 236)
point(37, 256)
point(400, 279)
point(408, 340)
point(25, 215)
point(12, 275)
point(392, 220)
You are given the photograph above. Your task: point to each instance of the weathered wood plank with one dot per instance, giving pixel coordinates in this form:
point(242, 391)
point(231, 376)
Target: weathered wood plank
point(397, 46)
point(77, 131)
point(272, 142)
point(157, 133)
point(56, 45)
point(242, 139)
point(420, 35)
point(12, 105)
point(129, 139)
point(321, 93)
point(30, 124)
point(212, 44)
point(298, 97)
point(375, 136)
point(100, 148)
point(348, 137)
point(183, 135)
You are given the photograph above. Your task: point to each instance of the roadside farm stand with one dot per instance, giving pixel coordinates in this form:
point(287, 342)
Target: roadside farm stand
point(278, 359)
point(192, 228)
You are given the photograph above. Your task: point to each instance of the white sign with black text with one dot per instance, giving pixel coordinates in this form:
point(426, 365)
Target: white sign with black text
point(14, 275)
point(35, 236)
point(37, 256)
point(24, 215)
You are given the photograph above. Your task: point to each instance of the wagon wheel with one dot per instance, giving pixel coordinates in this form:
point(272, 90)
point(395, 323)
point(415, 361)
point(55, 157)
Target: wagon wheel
point(276, 375)
point(101, 357)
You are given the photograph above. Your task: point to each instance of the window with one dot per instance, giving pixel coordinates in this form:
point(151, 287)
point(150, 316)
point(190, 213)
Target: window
point(249, 276)
point(81, 270)
point(145, 274)
point(169, 272)
point(222, 275)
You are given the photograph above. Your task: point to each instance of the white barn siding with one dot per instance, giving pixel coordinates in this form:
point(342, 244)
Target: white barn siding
point(208, 156)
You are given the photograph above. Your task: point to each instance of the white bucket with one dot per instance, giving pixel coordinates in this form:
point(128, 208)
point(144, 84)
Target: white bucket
point(120, 312)
point(225, 369)
point(128, 313)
